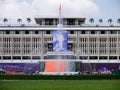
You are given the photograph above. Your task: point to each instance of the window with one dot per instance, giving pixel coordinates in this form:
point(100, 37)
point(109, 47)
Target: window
point(112, 57)
point(17, 57)
point(71, 32)
point(48, 32)
point(83, 32)
point(102, 32)
point(118, 32)
point(26, 32)
point(48, 21)
point(7, 32)
point(103, 57)
point(113, 32)
point(93, 57)
point(36, 57)
point(83, 57)
point(80, 22)
point(50, 47)
point(26, 57)
point(70, 46)
point(36, 32)
point(92, 32)
point(6, 57)
point(17, 32)
point(70, 21)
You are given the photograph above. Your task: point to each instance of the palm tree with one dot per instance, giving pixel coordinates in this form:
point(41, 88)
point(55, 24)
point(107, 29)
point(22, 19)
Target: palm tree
point(28, 20)
point(91, 20)
point(19, 20)
point(118, 20)
point(5, 20)
point(110, 21)
point(100, 21)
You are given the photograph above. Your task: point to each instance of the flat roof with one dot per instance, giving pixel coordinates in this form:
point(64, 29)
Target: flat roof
point(59, 28)
point(38, 19)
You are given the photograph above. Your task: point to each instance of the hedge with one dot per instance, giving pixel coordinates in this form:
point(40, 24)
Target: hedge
point(60, 77)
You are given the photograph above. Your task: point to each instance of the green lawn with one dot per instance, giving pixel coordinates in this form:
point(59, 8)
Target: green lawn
point(59, 84)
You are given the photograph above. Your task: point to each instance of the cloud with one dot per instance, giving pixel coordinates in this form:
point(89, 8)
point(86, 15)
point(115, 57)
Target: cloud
point(69, 7)
point(47, 8)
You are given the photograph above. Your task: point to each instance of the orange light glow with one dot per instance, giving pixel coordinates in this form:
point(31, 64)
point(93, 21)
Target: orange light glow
point(54, 66)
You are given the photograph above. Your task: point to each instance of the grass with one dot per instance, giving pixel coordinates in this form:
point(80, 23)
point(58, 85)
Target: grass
point(59, 85)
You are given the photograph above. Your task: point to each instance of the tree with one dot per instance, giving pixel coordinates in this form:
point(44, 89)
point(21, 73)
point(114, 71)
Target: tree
point(5, 20)
point(19, 20)
point(100, 21)
point(110, 20)
point(28, 20)
point(118, 20)
point(91, 20)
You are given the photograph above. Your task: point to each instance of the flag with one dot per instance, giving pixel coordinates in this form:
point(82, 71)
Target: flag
point(60, 10)
point(60, 7)
point(60, 17)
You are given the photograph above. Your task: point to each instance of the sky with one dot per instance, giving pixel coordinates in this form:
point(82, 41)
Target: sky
point(14, 9)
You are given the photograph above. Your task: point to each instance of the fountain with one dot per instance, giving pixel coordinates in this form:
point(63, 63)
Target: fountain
point(59, 64)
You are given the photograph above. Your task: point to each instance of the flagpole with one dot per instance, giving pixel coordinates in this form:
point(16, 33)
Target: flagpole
point(60, 11)
point(60, 20)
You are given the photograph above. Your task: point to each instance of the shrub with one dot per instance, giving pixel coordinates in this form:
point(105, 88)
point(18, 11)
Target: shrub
point(60, 77)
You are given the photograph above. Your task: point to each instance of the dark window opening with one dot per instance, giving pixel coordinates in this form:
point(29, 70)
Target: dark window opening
point(70, 21)
point(82, 32)
point(80, 22)
point(102, 32)
point(36, 32)
point(7, 32)
point(112, 57)
point(16, 57)
point(70, 46)
point(83, 57)
point(113, 32)
point(92, 32)
point(26, 32)
point(6, 57)
point(36, 57)
point(48, 21)
point(93, 57)
point(50, 47)
point(26, 57)
point(71, 32)
point(47, 32)
point(103, 57)
point(59, 57)
point(17, 32)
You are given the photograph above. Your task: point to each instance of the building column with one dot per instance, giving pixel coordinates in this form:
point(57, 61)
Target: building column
point(108, 49)
point(76, 22)
point(43, 22)
point(98, 46)
point(117, 48)
point(2, 48)
point(42, 45)
point(77, 47)
point(53, 21)
point(11, 46)
point(21, 46)
point(88, 46)
point(31, 45)
point(65, 22)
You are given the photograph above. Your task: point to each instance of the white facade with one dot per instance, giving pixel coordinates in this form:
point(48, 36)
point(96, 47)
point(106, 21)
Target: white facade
point(85, 43)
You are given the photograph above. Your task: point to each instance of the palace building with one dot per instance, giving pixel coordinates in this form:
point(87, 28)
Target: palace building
point(85, 43)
